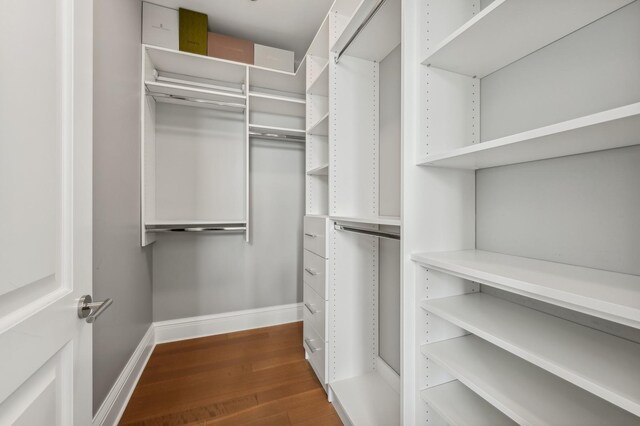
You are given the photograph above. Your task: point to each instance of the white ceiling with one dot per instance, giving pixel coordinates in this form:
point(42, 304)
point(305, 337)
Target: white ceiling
point(285, 24)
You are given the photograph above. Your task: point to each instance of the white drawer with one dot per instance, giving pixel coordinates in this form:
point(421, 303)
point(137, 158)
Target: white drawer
point(314, 311)
point(315, 235)
point(316, 350)
point(314, 272)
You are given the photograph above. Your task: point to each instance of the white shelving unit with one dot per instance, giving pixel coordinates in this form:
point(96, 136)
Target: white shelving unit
point(606, 363)
point(322, 170)
point(460, 406)
point(282, 105)
point(522, 391)
point(320, 127)
point(380, 220)
point(508, 30)
point(320, 85)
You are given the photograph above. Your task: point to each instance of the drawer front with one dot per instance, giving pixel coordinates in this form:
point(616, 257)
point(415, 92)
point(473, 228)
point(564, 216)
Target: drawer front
point(314, 311)
point(314, 235)
point(316, 350)
point(314, 273)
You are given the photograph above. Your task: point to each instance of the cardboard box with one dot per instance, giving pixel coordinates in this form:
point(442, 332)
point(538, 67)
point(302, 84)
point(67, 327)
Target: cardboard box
point(270, 57)
point(230, 48)
point(193, 31)
point(160, 26)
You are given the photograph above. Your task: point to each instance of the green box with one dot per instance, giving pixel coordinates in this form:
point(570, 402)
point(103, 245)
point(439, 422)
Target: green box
point(193, 32)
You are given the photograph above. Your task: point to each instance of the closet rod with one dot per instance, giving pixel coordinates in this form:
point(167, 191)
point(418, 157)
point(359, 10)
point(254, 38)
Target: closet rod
point(201, 229)
point(372, 232)
point(197, 100)
point(276, 137)
point(162, 78)
point(360, 28)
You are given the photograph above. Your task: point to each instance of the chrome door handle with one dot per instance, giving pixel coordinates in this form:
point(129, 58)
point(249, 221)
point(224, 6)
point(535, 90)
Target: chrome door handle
point(310, 235)
point(311, 271)
point(311, 309)
point(91, 310)
point(312, 348)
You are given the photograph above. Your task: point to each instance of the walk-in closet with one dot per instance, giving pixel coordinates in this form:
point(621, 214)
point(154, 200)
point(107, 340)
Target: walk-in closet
point(320, 212)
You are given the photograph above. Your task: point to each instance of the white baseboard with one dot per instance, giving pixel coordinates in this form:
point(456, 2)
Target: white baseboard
point(116, 401)
point(209, 325)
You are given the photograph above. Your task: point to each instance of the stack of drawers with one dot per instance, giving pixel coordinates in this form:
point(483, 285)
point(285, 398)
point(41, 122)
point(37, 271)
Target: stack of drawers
point(316, 294)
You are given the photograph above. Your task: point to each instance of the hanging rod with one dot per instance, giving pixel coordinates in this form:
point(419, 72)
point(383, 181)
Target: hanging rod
point(372, 232)
point(197, 100)
point(200, 229)
point(276, 137)
point(162, 78)
point(360, 28)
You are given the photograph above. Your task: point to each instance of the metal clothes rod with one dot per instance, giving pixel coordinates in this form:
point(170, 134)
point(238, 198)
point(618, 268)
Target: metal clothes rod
point(276, 137)
point(201, 229)
point(360, 28)
point(374, 233)
point(162, 78)
point(197, 100)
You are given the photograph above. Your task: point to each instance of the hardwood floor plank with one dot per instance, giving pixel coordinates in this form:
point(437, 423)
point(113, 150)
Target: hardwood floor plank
point(253, 377)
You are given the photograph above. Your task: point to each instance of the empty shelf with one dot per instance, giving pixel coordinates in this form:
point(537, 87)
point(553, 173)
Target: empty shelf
point(607, 366)
point(460, 406)
point(609, 295)
point(380, 220)
point(320, 86)
point(276, 104)
point(322, 170)
point(508, 30)
point(522, 391)
point(615, 128)
point(320, 127)
point(374, 39)
point(367, 400)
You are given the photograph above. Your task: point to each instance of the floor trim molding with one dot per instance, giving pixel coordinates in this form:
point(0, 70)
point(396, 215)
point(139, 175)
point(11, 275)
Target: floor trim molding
point(116, 401)
point(114, 404)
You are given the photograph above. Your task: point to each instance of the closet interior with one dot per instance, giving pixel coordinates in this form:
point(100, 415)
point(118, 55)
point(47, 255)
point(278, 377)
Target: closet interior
point(521, 300)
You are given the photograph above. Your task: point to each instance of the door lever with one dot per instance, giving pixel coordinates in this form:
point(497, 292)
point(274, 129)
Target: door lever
point(91, 310)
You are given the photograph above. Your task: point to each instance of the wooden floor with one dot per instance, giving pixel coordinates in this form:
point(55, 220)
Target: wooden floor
point(254, 377)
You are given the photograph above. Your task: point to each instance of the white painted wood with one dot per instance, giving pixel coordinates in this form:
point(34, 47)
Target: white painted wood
point(459, 406)
point(614, 128)
point(320, 84)
point(320, 45)
point(228, 322)
point(320, 127)
point(277, 104)
point(316, 351)
point(604, 294)
point(380, 220)
point(315, 235)
point(276, 130)
point(315, 312)
point(522, 391)
point(507, 30)
point(388, 374)
point(314, 273)
point(378, 38)
point(606, 365)
point(185, 90)
point(281, 81)
point(46, 136)
point(367, 400)
point(321, 170)
point(112, 408)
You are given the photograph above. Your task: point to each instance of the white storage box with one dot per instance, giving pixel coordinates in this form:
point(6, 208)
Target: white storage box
point(160, 26)
point(270, 57)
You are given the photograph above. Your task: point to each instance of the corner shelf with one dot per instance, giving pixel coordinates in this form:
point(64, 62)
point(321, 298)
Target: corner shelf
point(522, 391)
point(320, 127)
point(460, 406)
point(367, 400)
point(615, 128)
point(609, 295)
point(380, 220)
point(320, 86)
point(606, 366)
point(508, 30)
point(276, 104)
point(322, 170)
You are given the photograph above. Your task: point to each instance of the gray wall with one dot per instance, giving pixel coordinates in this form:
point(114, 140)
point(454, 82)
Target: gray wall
point(207, 274)
point(122, 270)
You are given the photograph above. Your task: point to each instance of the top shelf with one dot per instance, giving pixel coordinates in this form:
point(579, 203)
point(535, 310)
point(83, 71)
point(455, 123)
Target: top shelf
point(375, 39)
point(609, 295)
point(508, 30)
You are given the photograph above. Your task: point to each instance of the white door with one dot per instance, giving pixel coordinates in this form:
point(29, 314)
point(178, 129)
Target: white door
point(45, 211)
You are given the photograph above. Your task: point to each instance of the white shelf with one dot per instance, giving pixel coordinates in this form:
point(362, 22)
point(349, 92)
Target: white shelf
point(320, 127)
point(615, 128)
point(607, 366)
point(320, 86)
point(459, 406)
point(380, 220)
point(282, 81)
point(367, 400)
point(276, 104)
point(322, 170)
point(609, 295)
point(522, 391)
point(194, 92)
point(279, 130)
point(378, 38)
point(508, 30)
